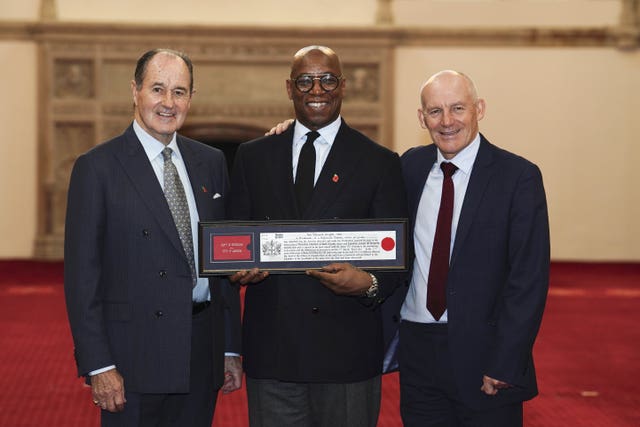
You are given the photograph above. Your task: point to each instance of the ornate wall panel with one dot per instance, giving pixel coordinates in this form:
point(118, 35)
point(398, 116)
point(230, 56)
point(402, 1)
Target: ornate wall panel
point(240, 79)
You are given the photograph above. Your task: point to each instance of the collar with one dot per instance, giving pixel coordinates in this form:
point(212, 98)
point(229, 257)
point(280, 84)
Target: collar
point(327, 133)
point(465, 158)
point(152, 147)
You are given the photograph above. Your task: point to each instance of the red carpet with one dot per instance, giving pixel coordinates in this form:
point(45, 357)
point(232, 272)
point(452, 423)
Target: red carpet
point(587, 354)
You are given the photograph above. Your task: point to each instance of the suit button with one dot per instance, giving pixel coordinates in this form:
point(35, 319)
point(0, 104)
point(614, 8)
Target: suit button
point(267, 218)
point(145, 233)
point(163, 273)
point(395, 318)
point(315, 310)
point(159, 313)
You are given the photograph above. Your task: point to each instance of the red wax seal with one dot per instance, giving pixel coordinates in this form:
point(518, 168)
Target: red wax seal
point(388, 244)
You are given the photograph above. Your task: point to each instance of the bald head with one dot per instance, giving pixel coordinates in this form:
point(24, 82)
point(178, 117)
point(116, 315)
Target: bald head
point(315, 53)
point(449, 78)
point(450, 111)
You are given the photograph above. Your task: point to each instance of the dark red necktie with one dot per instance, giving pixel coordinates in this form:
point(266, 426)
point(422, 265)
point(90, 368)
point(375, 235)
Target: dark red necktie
point(305, 172)
point(439, 268)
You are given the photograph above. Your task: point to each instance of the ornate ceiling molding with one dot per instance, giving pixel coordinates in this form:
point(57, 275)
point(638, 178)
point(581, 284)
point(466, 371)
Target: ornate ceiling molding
point(627, 35)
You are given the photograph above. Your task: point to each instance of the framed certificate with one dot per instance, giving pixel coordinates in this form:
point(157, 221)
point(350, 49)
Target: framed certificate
point(296, 246)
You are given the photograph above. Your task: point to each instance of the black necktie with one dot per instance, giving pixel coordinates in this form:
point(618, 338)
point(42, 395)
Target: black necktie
point(306, 172)
point(439, 268)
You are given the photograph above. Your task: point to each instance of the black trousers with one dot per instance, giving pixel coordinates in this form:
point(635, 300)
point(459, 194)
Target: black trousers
point(428, 393)
point(274, 403)
point(193, 409)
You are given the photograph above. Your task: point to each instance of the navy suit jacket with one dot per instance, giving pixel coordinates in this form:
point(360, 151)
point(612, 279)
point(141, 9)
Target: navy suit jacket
point(294, 328)
point(499, 271)
point(127, 280)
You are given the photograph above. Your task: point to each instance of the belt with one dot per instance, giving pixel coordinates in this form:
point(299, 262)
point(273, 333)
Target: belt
point(199, 307)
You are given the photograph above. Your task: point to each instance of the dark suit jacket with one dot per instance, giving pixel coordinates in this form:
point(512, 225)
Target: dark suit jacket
point(295, 329)
point(499, 271)
point(127, 280)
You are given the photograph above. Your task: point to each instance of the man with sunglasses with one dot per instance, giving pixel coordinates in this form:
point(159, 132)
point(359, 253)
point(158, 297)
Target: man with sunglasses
point(312, 343)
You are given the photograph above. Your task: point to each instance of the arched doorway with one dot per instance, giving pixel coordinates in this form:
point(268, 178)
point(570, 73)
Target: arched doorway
point(224, 136)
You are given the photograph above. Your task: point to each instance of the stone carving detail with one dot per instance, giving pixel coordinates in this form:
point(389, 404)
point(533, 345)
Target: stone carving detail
point(629, 30)
point(240, 92)
point(362, 83)
point(630, 15)
point(73, 79)
point(70, 140)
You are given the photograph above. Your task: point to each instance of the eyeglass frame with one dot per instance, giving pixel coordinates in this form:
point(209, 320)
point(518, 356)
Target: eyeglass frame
point(315, 77)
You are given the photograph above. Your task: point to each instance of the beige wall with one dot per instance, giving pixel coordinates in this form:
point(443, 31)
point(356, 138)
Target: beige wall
point(571, 110)
point(18, 155)
point(574, 112)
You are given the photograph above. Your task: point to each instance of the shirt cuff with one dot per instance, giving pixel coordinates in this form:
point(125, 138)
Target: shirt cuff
point(101, 370)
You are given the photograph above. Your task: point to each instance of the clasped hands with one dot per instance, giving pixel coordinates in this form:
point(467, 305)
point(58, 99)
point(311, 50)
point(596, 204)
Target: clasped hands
point(340, 277)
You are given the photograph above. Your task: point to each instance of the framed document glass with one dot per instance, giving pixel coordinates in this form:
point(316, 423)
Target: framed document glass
point(295, 246)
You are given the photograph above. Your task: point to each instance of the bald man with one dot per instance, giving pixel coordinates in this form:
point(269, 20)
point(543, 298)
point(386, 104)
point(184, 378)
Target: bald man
point(312, 343)
point(480, 277)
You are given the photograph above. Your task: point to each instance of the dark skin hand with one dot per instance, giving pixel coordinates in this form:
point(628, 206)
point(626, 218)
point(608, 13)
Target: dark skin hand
point(246, 277)
point(343, 278)
point(107, 389)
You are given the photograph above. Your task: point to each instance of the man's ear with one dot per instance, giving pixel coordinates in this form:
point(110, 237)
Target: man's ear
point(421, 119)
point(134, 91)
point(481, 106)
point(289, 88)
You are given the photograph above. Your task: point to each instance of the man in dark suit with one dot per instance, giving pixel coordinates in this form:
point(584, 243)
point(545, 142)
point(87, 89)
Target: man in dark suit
point(466, 360)
point(312, 344)
point(149, 334)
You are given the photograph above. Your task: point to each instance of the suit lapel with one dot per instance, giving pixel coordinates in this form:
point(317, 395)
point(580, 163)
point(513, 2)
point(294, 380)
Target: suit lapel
point(480, 176)
point(198, 174)
point(279, 159)
point(416, 178)
point(136, 164)
point(340, 165)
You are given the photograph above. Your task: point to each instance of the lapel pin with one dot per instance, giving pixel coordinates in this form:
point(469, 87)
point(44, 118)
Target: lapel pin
point(335, 178)
point(204, 189)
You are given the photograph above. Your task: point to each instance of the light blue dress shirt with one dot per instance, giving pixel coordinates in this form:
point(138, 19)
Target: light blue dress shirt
point(414, 308)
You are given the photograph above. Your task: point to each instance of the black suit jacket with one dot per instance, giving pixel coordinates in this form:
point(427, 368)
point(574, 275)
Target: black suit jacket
point(295, 329)
point(499, 271)
point(127, 280)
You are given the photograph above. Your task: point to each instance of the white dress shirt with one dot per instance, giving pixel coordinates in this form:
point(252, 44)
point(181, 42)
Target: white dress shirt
point(414, 308)
point(322, 144)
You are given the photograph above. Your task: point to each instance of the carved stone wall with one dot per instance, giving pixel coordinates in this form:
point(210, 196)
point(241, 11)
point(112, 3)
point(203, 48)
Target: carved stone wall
point(240, 75)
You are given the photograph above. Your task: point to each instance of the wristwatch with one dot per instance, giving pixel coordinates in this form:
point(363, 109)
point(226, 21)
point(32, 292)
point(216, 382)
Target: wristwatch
point(372, 292)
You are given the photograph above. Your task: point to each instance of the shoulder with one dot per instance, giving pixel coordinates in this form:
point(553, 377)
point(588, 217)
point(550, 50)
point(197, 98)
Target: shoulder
point(105, 151)
point(200, 149)
point(505, 160)
point(266, 146)
point(359, 141)
point(418, 155)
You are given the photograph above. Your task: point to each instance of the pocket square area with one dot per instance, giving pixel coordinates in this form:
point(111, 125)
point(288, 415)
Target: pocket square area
point(217, 196)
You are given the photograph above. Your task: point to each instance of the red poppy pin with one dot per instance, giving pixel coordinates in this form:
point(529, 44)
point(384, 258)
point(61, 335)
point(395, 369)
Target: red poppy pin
point(335, 178)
